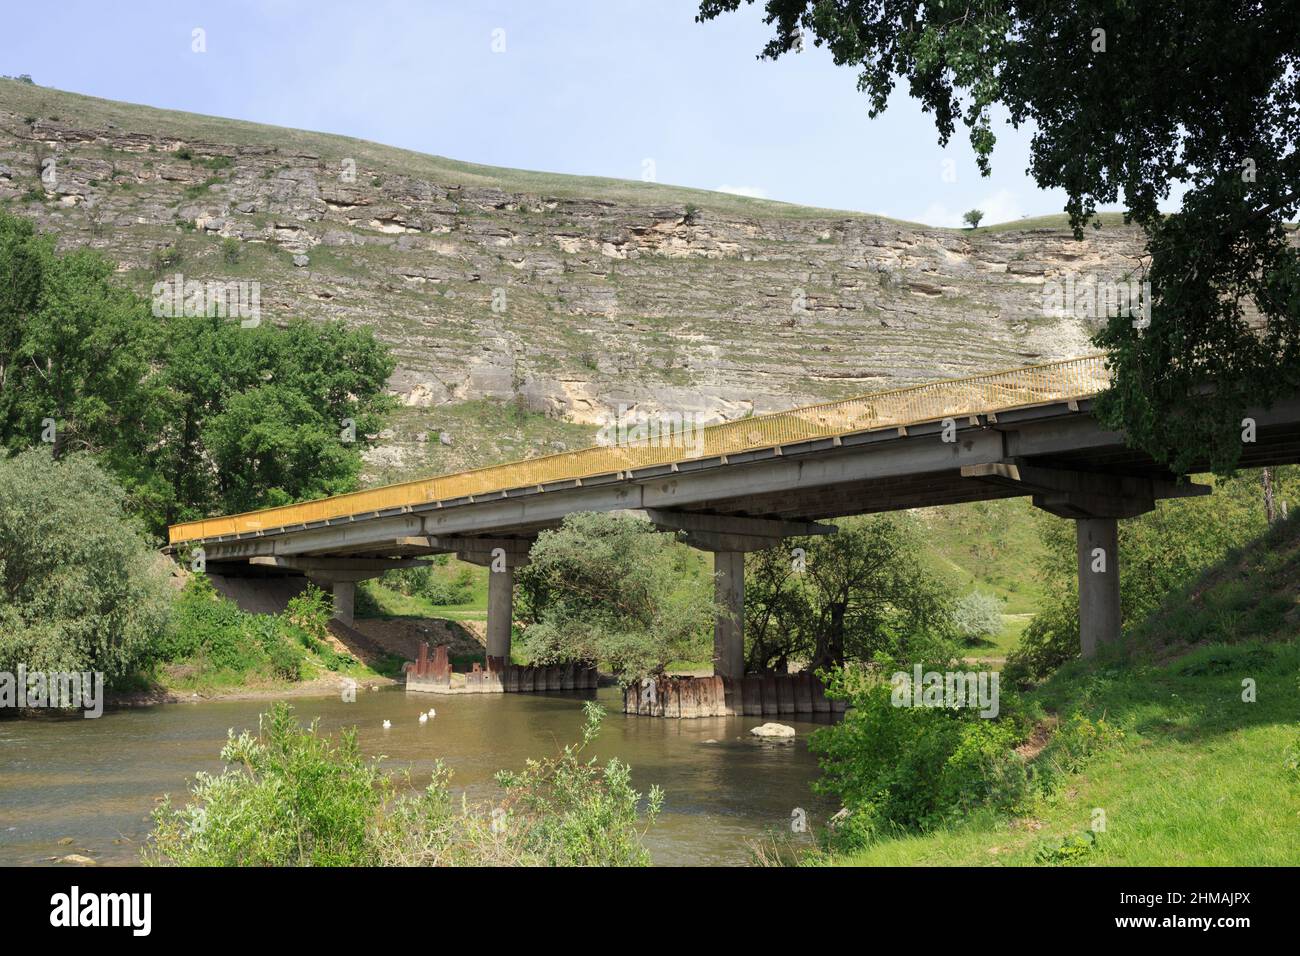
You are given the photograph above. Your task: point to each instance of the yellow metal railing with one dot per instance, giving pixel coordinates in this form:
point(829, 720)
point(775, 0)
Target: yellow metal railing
point(991, 392)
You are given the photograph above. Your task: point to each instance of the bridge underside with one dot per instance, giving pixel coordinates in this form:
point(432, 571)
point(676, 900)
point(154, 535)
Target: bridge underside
point(1055, 453)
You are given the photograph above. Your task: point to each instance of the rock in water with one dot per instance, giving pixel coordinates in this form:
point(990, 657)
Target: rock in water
point(773, 730)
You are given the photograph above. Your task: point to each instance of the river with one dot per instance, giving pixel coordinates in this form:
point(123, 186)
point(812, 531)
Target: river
point(94, 782)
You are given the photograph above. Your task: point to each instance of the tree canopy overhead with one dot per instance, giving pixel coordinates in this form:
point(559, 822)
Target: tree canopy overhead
point(1126, 101)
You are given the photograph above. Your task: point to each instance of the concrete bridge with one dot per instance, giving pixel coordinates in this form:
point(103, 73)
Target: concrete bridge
point(753, 483)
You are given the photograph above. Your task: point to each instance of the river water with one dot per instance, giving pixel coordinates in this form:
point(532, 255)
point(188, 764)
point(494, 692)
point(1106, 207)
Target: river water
point(94, 782)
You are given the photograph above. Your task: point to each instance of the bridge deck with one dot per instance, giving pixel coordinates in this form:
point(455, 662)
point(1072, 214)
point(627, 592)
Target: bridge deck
point(989, 393)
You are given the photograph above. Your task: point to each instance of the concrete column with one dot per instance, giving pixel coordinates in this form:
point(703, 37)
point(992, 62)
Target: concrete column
point(1098, 549)
point(500, 616)
point(345, 599)
point(729, 628)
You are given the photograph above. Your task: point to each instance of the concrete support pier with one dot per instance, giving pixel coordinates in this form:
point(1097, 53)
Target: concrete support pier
point(500, 613)
point(1099, 609)
point(345, 600)
point(729, 627)
point(500, 556)
point(729, 538)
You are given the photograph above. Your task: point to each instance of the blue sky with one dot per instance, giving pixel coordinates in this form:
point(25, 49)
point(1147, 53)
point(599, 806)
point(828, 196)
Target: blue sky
point(588, 86)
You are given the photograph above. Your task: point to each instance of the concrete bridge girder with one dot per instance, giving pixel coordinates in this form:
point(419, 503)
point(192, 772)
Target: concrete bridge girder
point(1062, 458)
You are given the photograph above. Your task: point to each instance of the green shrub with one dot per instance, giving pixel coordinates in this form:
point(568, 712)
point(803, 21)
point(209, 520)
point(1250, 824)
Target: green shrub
point(161, 260)
point(976, 616)
point(292, 797)
point(1069, 850)
point(445, 593)
point(1291, 758)
point(915, 768)
point(1073, 743)
point(408, 581)
point(210, 630)
point(80, 587)
point(424, 581)
point(284, 660)
point(1050, 640)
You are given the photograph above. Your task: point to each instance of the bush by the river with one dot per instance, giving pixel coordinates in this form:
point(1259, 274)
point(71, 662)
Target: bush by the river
point(80, 587)
point(291, 796)
point(910, 769)
point(610, 589)
point(216, 642)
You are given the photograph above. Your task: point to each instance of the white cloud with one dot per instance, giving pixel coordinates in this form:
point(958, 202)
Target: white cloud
point(754, 192)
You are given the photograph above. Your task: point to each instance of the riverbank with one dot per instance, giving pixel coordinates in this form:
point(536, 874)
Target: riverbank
point(318, 687)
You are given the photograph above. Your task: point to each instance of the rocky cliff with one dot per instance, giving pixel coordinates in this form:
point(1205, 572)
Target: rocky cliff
point(522, 307)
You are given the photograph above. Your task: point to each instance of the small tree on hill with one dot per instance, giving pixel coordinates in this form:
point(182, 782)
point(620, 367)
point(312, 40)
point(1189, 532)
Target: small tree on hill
point(973, 218)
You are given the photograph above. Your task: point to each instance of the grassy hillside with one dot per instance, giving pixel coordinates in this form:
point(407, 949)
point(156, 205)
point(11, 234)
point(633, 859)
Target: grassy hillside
point(58, 106)
point(1202, 776)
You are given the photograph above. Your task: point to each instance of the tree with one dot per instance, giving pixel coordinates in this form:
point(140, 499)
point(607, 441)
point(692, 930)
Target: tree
point(609, 588)
point(80, 588)
point(864, 595)
point(75, 352)
point(972, 218)
point(189, 414)
point(264, 416)
point(977, 616)
point(1126, 100)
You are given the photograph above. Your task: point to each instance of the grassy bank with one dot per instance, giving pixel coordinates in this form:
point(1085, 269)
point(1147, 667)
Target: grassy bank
point(211, 646)
point(1205, 773)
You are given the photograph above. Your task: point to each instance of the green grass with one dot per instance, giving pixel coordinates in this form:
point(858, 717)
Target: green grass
point(1004, 642)
point(386, 602)
point(991, 546)
point(1202, 777)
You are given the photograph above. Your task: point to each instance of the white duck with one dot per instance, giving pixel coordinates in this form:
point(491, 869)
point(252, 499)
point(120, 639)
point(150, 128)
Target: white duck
point(388, 725)
point(432, 712)
point(424, 718)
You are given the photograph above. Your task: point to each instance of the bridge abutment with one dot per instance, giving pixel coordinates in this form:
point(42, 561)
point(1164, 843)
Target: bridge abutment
point(345, 600)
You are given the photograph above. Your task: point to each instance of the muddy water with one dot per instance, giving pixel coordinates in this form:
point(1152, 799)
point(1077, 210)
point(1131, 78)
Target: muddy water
point(95, 781)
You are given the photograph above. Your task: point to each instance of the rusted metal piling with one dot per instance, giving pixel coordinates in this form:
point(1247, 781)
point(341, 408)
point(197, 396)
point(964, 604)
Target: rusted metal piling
point(754, 695)
point(434, 675)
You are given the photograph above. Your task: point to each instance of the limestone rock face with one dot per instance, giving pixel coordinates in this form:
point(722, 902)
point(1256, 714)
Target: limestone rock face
point(549, 300)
